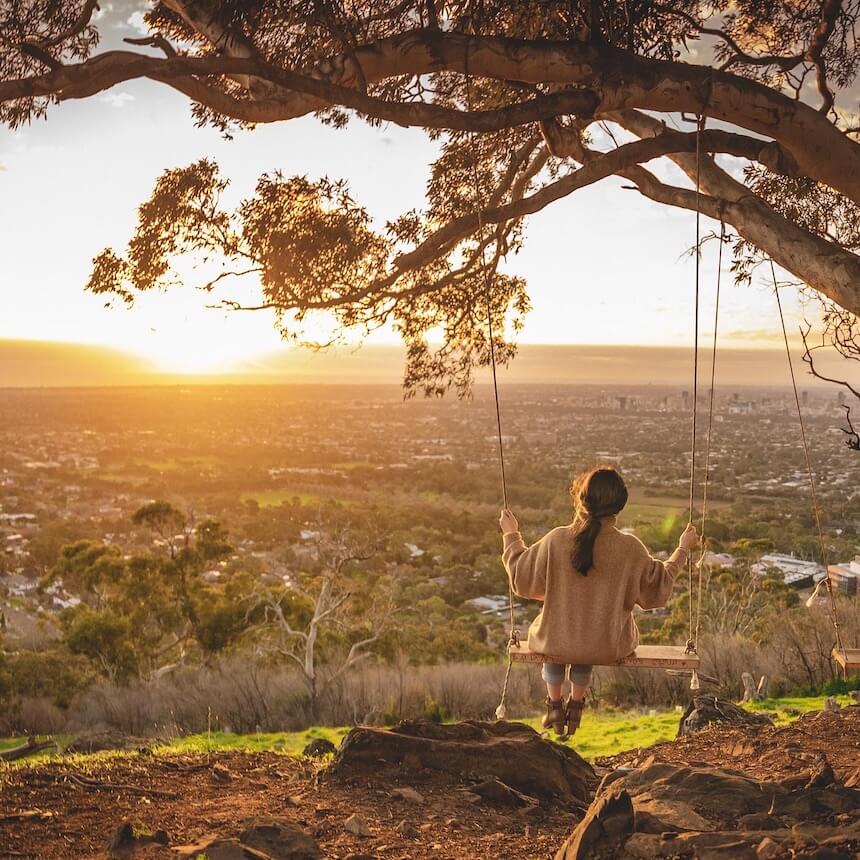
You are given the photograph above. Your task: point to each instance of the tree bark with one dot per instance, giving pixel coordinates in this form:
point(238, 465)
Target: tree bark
point(822, 265)
point(618, 80)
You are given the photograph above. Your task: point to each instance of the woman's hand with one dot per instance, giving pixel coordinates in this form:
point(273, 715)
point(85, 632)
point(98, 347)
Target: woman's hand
point(508, 522)
point(690, 539)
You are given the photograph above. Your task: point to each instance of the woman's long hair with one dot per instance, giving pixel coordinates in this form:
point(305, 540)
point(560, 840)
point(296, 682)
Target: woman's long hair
point(596, 494)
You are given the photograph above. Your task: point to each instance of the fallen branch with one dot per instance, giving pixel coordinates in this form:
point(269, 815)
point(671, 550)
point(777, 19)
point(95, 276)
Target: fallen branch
point(32, 747)
point(98, 785)
point(26, 815)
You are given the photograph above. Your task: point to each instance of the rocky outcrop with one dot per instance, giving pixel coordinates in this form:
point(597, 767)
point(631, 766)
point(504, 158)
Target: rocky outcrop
point(470, 752)
point(662, 810)
point(707, 710)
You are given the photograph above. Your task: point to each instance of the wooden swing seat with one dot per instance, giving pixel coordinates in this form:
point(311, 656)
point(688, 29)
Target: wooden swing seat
point(848, 658)
point(644, 657)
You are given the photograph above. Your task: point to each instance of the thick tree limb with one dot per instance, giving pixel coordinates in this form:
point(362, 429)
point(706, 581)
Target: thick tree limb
point(619, 79)
point(824, 266)
point(607, 164)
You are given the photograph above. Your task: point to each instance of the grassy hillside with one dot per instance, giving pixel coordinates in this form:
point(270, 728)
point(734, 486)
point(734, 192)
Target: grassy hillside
point(602, 733)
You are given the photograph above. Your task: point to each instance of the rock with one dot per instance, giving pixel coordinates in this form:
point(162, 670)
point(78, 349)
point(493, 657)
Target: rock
point(126, 838)
point(279, 839)
point(704, 710)
point(221, 849)
point(647, 823)
point(356, 825)
point(91, 742)
point(496, 793)
point(319, 748)
point(608, 822)
point(822, 776)
point(221, 774)
point(406, 830)
point(468, 751)
point(758, 821)
point(715, 813)
point(410, 795)
point(767, 849)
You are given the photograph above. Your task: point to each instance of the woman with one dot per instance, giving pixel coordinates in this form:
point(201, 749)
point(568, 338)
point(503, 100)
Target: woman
point(589, 576)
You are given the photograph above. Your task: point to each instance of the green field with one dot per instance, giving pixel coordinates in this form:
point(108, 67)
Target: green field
point(602, 733)
point(273, 498)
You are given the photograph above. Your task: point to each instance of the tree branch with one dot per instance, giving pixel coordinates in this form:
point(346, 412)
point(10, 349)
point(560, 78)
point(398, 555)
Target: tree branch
point(830, 10)
point(618, 79)
point(154, 41)
point(607, 164)
point(783, 62)
point(827, 268)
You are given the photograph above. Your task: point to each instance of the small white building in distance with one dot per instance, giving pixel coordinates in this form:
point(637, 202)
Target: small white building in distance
point(796, 572)
point(490, 604)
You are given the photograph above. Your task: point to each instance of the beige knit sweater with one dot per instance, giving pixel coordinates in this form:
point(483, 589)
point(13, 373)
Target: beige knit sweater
point(588, 619)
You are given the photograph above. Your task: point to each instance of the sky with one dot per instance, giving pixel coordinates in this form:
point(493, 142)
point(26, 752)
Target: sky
point(604, 266)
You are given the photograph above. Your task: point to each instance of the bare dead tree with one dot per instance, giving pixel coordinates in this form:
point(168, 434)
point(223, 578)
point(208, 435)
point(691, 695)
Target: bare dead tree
point(328, 597)
point(841, 333)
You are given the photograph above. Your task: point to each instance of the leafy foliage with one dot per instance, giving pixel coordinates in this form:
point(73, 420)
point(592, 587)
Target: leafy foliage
point(436, 274)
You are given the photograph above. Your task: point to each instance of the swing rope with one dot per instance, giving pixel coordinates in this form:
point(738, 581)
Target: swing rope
point(513, 635)
point(822, 547)
point(701, 562)
point(692, 639)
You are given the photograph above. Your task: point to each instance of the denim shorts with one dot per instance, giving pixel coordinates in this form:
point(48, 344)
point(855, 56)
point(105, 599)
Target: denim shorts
point(554, 673)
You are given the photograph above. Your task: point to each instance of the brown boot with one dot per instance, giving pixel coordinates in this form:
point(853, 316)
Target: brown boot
point(574, 714)
point(555, 716)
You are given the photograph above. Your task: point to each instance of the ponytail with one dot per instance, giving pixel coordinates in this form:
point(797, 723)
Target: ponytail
point(585, 531)
point(596, 494)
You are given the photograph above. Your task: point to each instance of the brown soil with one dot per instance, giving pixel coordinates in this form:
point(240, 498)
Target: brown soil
point(48, 811)
point(766, 753)
point(82, 818)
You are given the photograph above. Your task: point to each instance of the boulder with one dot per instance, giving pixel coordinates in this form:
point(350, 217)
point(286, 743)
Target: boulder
point(607, 824)
point(319, 748)
point(663, 810)
point(465, 753)
point(280, 839)
point(705, 710)
point(260, 839)
point(126, 838)
point(356, 825)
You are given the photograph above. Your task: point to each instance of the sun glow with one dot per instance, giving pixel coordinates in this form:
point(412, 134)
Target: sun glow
point(176, 333)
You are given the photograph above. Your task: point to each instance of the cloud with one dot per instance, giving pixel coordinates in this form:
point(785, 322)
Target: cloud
point(117, 100)
point(136, 22)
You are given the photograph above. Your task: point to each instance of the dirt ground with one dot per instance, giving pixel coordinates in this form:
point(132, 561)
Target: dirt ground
point(69, 809)
point(766, 753)
point(45, 812)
